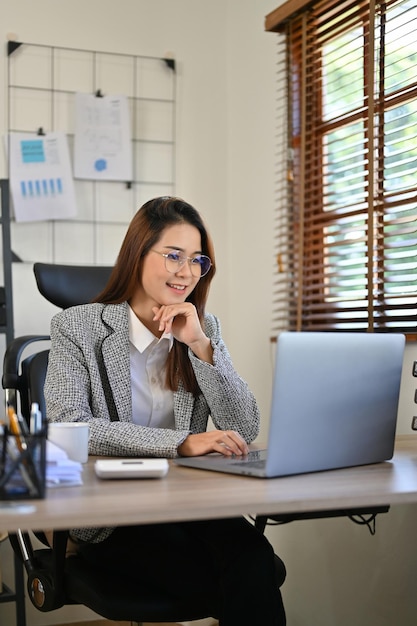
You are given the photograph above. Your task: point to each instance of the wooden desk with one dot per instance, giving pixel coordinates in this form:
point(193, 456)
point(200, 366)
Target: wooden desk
point(186, 494)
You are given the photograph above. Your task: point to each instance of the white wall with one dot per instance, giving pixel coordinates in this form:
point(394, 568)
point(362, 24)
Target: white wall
point(337, 572)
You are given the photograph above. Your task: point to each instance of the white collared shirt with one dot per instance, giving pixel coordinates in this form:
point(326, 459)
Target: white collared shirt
point(152, 402)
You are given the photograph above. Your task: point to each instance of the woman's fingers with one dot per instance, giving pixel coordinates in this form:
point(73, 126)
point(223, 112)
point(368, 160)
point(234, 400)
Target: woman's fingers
point(230, 442)
point(227, 442)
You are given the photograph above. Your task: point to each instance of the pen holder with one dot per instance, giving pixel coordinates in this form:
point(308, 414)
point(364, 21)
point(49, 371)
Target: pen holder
point(22, 465)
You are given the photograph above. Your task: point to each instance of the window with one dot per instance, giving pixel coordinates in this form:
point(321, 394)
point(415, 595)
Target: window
point(346, 227)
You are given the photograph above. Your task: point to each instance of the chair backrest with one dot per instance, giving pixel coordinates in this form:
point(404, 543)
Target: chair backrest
point(62, 285)
point(68, 285)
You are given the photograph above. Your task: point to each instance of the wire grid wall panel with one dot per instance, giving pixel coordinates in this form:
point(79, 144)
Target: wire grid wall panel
point(42, 85)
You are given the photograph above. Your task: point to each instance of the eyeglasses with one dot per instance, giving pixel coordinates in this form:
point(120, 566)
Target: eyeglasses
point(199, 264)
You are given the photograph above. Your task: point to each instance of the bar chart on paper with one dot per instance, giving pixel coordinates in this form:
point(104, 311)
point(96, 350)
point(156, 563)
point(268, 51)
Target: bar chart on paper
point(40, 177)
point(44, 187)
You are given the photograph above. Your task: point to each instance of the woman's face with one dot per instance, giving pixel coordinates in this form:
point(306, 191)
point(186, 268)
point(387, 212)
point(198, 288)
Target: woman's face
point(159, 286)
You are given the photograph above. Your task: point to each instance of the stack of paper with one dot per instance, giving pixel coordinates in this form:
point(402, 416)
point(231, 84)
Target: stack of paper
point(60, 470)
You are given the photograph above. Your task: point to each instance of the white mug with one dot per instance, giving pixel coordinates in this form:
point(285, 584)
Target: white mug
point(71, 437)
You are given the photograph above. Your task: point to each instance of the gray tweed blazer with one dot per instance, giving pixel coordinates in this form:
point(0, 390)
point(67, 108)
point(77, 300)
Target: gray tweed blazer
point(88, 380)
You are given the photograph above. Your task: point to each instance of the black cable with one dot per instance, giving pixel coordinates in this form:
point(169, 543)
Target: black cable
point(370, 521)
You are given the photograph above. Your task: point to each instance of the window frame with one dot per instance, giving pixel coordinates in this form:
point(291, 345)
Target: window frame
point(298, 304)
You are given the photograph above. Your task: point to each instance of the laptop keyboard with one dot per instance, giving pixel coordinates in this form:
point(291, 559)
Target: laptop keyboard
point(254, 464)
point(253, 459)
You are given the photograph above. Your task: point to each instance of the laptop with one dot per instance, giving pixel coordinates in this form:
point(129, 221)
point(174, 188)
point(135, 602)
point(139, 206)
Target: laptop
point(334, 404)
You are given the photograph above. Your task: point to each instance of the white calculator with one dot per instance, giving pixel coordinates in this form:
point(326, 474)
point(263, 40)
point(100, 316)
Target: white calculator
point(131, 468)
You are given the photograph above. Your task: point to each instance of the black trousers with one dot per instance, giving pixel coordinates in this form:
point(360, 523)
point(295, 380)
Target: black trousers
point(229, 558)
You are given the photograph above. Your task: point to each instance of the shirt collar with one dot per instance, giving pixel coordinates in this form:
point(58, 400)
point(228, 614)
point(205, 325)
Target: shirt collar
point(140, 336)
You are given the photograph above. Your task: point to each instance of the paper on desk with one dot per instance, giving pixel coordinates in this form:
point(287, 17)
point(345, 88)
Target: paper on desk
point(60, 470)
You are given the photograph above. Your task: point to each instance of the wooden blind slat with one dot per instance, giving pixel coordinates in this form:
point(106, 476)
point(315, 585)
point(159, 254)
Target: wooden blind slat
point(346, 229)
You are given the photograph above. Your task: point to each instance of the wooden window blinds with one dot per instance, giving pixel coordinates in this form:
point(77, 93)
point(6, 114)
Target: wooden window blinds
point(346, 218)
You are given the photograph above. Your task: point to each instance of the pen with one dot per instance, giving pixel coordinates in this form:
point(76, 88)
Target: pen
point(35, 419)
point(16, 429)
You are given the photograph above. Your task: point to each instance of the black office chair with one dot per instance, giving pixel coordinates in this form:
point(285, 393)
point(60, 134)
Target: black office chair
point(52, 579)
point(64, 286)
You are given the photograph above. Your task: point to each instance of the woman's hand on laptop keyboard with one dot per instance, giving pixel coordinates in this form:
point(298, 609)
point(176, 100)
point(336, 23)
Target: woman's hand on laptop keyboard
point(226, 442)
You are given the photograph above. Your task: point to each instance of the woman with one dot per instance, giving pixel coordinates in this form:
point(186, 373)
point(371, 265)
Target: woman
point(146, 366)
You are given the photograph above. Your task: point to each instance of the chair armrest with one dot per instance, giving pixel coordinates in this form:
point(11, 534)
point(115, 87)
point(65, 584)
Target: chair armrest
point(12, 356)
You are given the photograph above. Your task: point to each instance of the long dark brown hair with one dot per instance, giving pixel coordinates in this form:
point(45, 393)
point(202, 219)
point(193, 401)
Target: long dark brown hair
point(143, 233)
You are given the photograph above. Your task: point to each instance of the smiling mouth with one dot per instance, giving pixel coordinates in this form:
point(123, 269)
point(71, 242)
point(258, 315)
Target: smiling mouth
point(177, 287)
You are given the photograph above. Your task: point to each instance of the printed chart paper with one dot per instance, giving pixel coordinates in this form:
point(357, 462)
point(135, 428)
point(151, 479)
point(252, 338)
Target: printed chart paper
point(41, 183)
point(103, 145)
